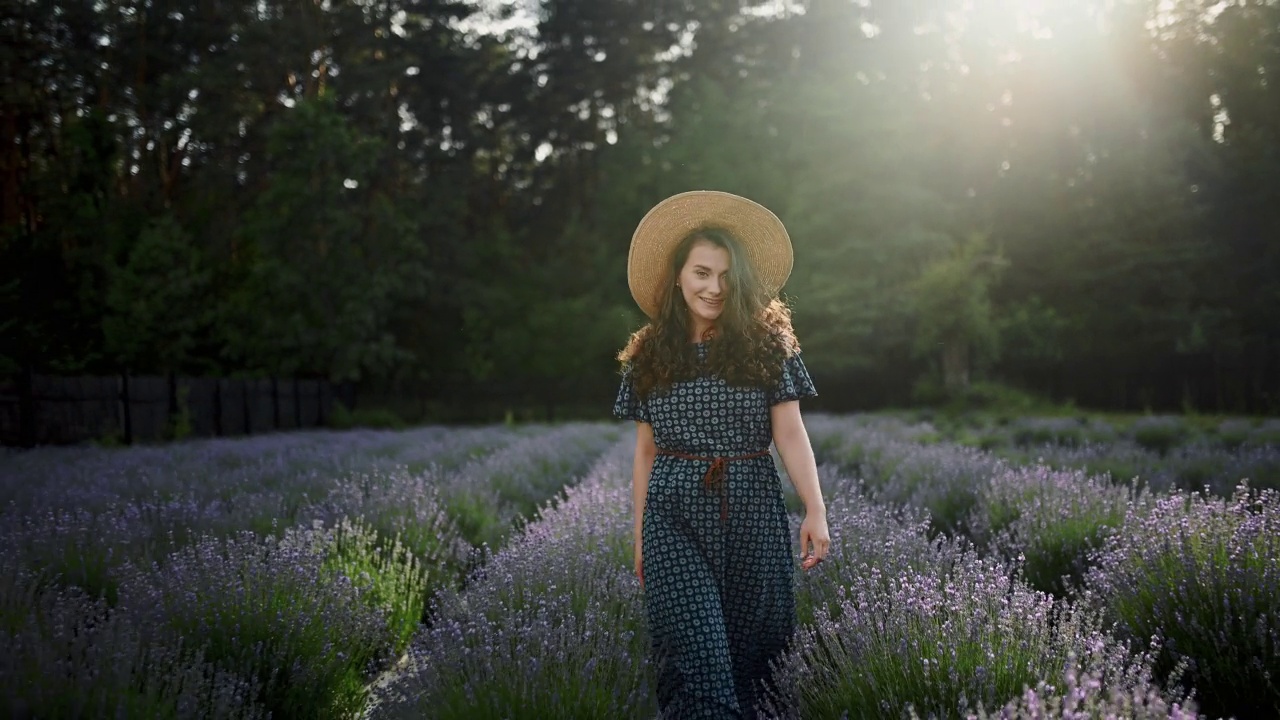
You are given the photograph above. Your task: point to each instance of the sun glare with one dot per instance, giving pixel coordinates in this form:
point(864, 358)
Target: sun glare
point(1024, 17)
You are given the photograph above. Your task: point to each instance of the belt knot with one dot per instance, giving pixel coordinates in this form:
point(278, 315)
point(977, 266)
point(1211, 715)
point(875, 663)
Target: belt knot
point(714, 479)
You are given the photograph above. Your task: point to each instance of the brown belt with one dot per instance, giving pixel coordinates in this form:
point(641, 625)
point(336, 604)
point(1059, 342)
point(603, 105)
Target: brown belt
point(714, 480)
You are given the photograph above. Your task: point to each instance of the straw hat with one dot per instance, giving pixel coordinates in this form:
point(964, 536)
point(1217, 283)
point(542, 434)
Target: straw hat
point(762, 235)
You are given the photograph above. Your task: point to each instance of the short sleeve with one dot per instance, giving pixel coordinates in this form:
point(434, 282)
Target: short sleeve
point(794, 384)
point(629, 405)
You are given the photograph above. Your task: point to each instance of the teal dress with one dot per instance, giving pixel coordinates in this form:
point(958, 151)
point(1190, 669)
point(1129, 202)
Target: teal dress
point(717, 551)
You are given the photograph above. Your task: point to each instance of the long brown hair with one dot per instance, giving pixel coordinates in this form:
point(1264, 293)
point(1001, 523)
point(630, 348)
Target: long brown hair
point(753, 334)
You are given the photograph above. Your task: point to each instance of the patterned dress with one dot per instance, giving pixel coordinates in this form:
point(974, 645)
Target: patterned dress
point(719, 594)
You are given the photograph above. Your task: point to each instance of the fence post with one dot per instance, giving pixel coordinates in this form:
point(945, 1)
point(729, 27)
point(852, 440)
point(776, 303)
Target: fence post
point(126, 408)
point(217, 407)
point(173, 400)
point(26, 408)
point(244, 404)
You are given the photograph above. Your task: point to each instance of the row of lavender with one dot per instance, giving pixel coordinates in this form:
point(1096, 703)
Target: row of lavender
point(1188, 574)
point(1162, 452)
point(1157, 433)
point(270, 577)
point(958, 585)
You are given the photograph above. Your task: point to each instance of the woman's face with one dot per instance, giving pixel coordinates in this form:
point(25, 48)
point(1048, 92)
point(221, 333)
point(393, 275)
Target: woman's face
point(703, 281)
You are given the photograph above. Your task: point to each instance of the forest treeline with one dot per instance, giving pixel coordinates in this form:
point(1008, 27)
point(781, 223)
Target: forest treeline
point(1081, 199)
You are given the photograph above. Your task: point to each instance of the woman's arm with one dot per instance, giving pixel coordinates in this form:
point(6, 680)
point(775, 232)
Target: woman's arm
point(792, 441)
point(646, 451)
point(793, 445)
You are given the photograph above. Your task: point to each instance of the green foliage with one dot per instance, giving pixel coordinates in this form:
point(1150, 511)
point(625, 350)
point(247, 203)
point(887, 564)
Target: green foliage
point(179, 426)
point(158, 301)
point(1231, 435)
point(953, 313)
point(982, 399)
point(267, 612)
point(1159, 434)
point(435, 207)
point(112, 437)
point(1031, 334)
point(340, 418)
point(1198, 575)
point(1034, 435)
point(932, 642)
point(861, 216)
point(332, 254)
point(391, 577)
point(477, 515)
point(1051, 522)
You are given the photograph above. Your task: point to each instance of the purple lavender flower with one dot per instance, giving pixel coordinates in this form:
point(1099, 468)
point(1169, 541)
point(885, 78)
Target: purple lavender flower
point(66, 654)
point(894, 468)
point(1121, 691)
point(549, 627)
point(1199, 575)
point(938, 642)
point(1050, 519)
point(268, 609)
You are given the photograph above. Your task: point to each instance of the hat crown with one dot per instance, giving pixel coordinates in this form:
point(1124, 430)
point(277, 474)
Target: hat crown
point(761, 234)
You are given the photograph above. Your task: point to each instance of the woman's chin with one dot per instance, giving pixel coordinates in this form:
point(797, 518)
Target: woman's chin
point(705, 318)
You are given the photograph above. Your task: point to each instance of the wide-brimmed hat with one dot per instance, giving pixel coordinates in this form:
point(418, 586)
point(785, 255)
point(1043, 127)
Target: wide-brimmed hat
point(761, 234)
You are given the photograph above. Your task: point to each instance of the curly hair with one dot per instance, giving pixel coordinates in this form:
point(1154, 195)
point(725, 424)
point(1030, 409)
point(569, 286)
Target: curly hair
point(750, 340)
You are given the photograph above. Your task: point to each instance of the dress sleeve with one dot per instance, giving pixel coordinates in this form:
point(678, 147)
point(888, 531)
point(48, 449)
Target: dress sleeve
point(794, 384)
point(629, 405)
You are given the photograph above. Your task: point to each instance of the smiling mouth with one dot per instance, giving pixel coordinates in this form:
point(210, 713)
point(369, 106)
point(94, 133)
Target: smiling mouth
point(713, 303)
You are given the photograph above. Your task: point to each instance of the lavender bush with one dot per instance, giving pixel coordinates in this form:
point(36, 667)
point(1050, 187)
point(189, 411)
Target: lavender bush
point(1264, 432)
point(92, 478)
point(867, 541)
point(1081, 694)
point(405, 505)
point(489, 497)
point(830, 432)
point(1052, 519)
point(1159, 433)
point(282, 574)
point(83, 511)
point(1192, 466)
point(1232, 433)
point(64, 654)
point(391, 577)
point(942, 478)
point(74, 548)
point(933, 643)
point(1064, 431)
point(551, 627)
point(270, 609)
point(209, 541)
point(1199, 574)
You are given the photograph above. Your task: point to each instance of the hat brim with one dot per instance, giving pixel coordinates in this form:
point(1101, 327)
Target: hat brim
point(762, 235)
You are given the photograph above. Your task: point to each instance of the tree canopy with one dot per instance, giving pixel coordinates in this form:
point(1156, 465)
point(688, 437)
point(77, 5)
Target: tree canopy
point(435, 199)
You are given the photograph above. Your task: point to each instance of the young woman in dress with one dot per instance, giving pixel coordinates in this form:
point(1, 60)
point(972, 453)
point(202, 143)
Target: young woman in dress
point(711, 381)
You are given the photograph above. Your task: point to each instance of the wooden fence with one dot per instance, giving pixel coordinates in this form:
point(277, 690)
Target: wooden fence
point(44, 410)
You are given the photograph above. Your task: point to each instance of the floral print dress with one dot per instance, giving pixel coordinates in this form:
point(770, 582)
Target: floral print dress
point(716, 545)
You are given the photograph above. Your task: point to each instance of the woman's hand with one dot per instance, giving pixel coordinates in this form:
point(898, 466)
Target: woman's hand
point(639, 562)
point(814, 531)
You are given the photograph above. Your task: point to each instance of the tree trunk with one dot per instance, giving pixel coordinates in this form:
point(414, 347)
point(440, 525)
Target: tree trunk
point(955, 365)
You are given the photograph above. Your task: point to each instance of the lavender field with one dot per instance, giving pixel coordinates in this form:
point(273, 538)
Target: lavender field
point(1029, 568)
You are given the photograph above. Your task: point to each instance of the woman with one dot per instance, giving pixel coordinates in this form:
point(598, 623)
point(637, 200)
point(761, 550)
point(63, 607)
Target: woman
point(710, 381)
